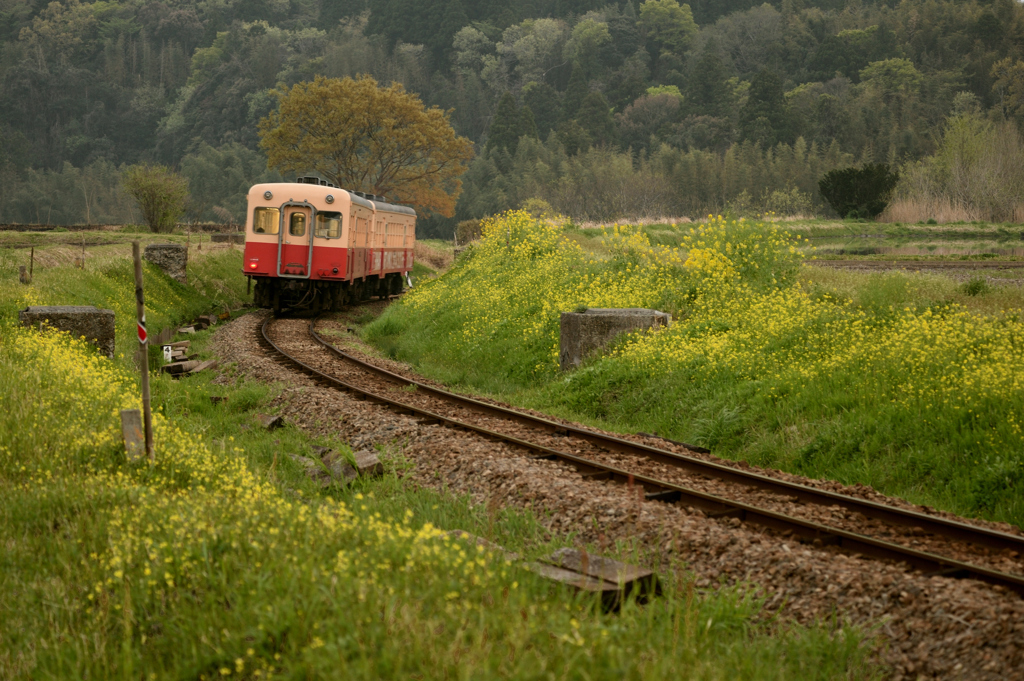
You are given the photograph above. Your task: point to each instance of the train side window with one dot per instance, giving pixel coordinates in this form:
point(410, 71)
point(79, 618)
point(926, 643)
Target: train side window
point(297, 224)
point(266, 220)
point(328, 225)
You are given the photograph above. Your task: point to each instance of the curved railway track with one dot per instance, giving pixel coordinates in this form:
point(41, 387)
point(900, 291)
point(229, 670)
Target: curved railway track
point(857, 526)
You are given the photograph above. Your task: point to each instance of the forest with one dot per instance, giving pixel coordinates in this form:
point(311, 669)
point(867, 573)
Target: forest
point(605, 110)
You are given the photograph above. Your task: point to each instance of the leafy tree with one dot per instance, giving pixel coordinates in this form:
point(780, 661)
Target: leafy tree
point(221, 177)
point(452, 21)
point(707, 93)
point(859, 192)
point(668, 25)
point(595, 117)
point(544, 105)
point(504, 131)
point(161, 194)
point(763, 117)
point(573, 137)
point(583, 47)
point(525, 125)
point(575, 92)
point(363, 136)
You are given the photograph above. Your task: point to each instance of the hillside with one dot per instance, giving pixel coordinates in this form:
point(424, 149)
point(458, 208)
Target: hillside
point(604, 110)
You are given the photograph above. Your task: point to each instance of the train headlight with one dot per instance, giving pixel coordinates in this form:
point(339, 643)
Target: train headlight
point(268, 195)
point(330, 198)
point(253, 265)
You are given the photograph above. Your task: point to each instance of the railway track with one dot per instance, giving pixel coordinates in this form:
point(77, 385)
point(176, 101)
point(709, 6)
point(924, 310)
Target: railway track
point(930, 544)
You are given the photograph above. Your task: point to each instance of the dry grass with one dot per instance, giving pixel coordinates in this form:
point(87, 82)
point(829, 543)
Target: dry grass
point(434, 258)
point(662, 220)
point(941, 209)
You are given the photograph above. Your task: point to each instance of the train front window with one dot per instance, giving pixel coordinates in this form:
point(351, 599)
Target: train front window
point(297, 225)
point(266, 220)
point(328, 225)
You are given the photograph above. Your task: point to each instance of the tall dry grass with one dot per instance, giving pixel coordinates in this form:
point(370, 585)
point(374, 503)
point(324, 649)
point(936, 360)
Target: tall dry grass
point(435, 258)
point(976, 174)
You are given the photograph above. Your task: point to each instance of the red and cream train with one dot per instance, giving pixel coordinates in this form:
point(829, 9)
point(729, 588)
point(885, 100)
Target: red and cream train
point(311, 245)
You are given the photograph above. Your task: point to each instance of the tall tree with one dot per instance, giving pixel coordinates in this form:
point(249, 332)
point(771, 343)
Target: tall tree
point(595, 117)
point(575, 92)
point(763, 119)
point(525, 125)
point(544, 105)
point(707, 93)
point(504, 130)
point(668, 25)
point(362, 136)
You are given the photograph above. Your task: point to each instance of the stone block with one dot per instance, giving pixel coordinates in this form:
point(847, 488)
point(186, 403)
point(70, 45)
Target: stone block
point(585, 333)
point(270, 422)
point(367, 463)
point(79, 320)
point(341, 470)
point(171, 258)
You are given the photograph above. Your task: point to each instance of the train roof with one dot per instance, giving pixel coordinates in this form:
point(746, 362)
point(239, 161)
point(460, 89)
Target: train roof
point(307, 190)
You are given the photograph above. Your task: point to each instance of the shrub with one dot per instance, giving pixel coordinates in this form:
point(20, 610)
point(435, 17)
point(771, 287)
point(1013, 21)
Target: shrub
point(466, 231)
point(161, 193)
point(857, 192)
point(976, 286)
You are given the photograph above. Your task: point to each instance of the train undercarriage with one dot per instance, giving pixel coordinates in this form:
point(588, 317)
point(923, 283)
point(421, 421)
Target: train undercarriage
point(279, 293)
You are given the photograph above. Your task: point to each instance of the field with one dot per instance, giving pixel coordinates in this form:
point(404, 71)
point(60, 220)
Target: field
point(909, 382)
point(220, 559)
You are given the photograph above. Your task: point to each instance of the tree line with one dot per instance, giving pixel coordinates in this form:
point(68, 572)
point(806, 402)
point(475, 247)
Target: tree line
point(685, 108)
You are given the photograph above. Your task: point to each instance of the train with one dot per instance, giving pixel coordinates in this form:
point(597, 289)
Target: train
point(310, 245)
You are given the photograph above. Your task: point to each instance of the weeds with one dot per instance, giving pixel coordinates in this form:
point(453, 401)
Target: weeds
point(930, 394)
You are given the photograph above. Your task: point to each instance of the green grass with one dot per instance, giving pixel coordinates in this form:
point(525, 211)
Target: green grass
point(222, 559)
point(905, 382)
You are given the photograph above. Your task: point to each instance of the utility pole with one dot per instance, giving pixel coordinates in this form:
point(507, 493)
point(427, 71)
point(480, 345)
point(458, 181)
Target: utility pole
point(140, 309)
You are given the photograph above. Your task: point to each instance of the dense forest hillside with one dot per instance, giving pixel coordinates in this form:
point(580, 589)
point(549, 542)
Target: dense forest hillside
point(603, 109)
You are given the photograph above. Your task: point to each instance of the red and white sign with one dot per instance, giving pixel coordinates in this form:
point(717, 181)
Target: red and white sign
point(142, 332)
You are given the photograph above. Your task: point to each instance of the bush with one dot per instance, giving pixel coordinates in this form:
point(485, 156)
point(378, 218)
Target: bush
point(976, 286)
point(860, 192)
point(161, 193)
point(466, 231)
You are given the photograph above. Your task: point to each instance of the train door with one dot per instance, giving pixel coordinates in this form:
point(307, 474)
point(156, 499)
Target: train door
point(359, 246)
point(378, 250)
point(294, 252)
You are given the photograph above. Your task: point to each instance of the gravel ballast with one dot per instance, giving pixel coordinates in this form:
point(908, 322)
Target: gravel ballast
point(934, 627)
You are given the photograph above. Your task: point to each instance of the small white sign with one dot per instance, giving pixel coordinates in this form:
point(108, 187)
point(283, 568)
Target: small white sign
point(167, 353)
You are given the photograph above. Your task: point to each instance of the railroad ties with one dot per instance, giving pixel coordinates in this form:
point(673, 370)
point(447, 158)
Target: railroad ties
point(713, 506)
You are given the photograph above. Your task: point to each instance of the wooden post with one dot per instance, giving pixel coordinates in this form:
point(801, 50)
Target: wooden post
point(31, 261)
point(140, 310)
point(83, 251)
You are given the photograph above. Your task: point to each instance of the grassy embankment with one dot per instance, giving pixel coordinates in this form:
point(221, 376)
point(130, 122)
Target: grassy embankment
point(905, 382)
point(221, 560)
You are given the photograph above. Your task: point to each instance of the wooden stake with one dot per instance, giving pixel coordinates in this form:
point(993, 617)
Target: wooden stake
point(31, 261)
point(140, 310)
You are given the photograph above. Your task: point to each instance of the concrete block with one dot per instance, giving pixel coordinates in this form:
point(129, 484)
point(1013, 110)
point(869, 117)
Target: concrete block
point(171, 258)
point(79, 320)
point(341, 470)
point(585, 333)
point(270, 422)
point(368, 464)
